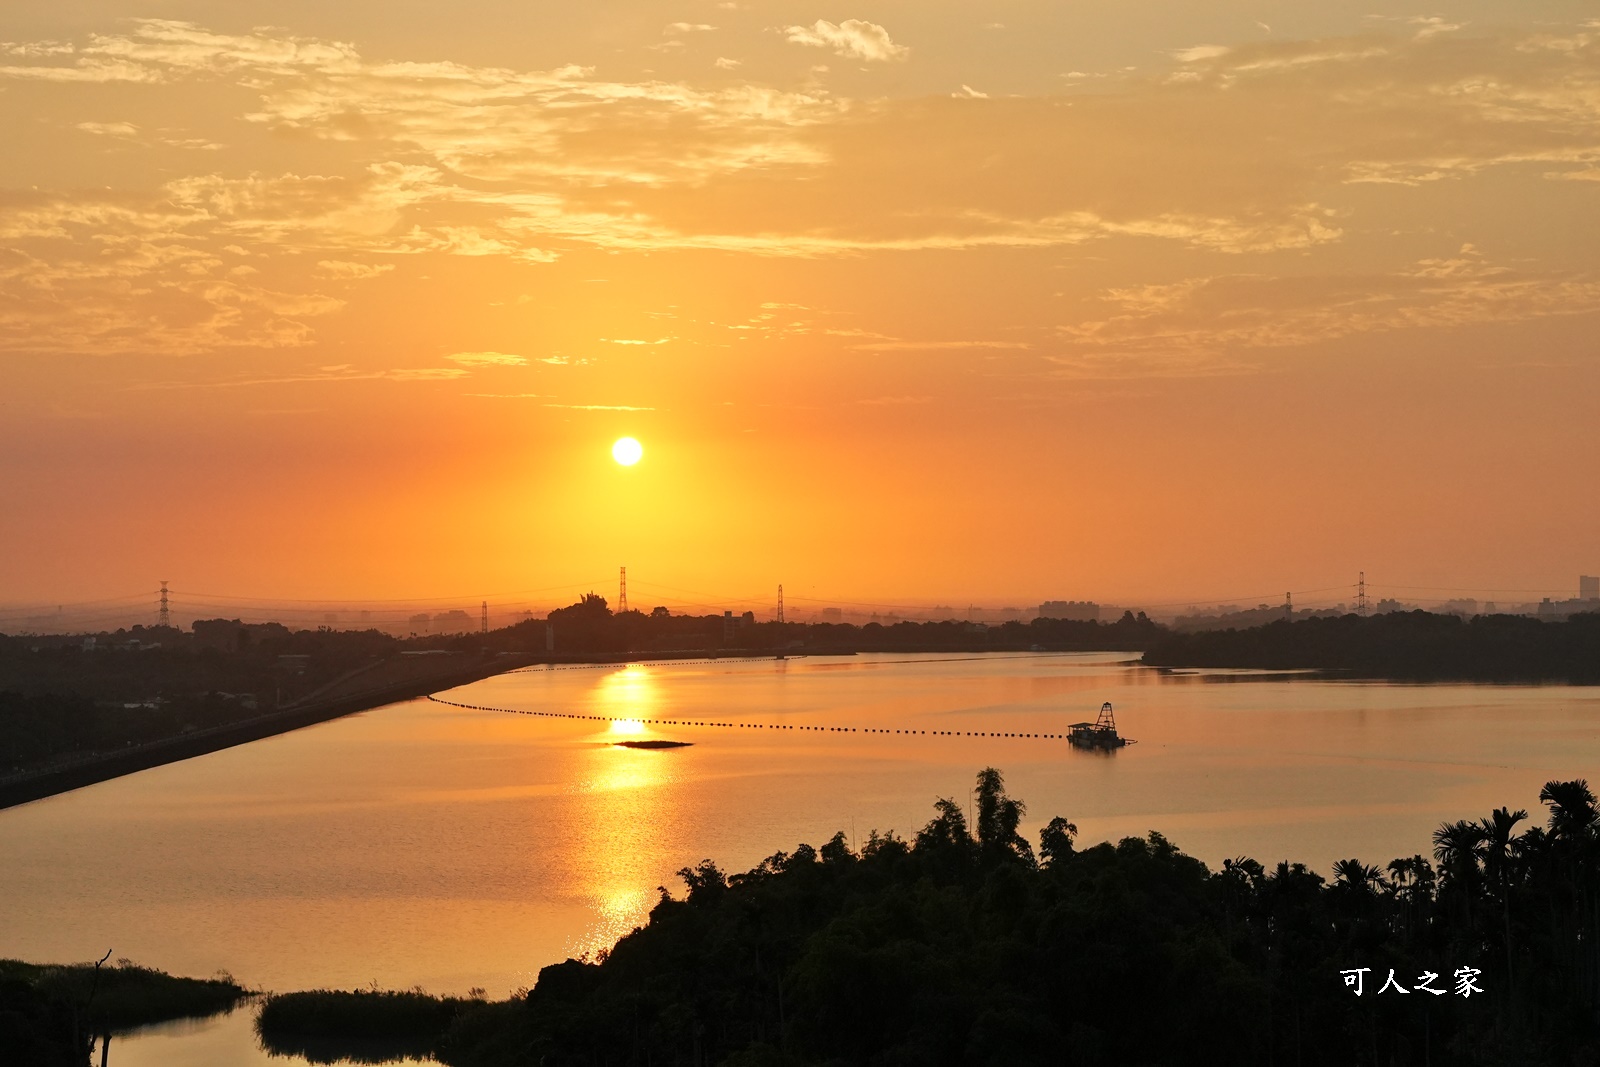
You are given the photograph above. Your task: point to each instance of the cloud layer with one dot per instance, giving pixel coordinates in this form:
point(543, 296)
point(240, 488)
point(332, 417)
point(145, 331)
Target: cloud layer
point(1260, 150)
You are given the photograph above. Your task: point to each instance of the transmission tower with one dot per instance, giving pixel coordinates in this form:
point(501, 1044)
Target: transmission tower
point(780, 603)
point(164, 618)
point(1288, 607)
point(1361, 595)
point(485, 616)
point(622, 592)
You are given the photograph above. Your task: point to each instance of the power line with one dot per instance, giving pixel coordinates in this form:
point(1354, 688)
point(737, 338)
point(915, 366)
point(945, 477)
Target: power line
point(711, 598)
point(142, 595)
point(1474, 589)
point(228, 597)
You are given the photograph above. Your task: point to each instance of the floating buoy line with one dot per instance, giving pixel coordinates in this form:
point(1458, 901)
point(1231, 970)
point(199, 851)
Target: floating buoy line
point(751, 725)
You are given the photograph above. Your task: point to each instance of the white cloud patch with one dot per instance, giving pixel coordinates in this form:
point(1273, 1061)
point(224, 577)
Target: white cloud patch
point(1199, 52)
point(344, 270)
point(109, 129)
point(1431, 26)
point(487, 359)
point(852, 38)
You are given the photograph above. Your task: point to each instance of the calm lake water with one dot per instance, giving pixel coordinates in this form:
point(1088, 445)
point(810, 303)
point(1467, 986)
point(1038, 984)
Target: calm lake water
point(422, 844)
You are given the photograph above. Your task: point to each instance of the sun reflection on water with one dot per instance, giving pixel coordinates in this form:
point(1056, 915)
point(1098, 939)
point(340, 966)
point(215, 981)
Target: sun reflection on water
point(619, 914)
point(631, 693)
point(630, 807)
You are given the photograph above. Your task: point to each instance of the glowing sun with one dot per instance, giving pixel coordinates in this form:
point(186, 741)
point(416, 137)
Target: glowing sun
point(627, 451)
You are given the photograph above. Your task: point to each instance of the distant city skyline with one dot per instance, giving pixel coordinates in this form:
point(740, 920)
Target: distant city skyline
point(467, 613)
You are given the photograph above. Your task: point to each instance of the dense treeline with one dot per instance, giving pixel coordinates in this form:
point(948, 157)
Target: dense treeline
point(967, 946)
point(591, 626)
point(1405, 645)
point(36, 729)
point(223, 656)
point(63, 698)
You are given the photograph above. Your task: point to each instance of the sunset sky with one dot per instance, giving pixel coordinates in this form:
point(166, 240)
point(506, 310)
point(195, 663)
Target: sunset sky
point(937, 301)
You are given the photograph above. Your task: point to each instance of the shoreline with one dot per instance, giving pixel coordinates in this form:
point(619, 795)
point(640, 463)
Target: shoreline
point(46, 782)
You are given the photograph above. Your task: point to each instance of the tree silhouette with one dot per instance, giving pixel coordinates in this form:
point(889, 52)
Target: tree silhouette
point(1055, 841)
point(998, 818)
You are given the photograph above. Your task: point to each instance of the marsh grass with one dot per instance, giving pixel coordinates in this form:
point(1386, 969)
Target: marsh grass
point(358, 1026)
point(125, 996)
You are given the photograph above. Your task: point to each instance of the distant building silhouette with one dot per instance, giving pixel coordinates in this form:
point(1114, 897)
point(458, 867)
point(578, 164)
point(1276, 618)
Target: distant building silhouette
point(452, 622)
point(1074, 610)
point(1588, 587)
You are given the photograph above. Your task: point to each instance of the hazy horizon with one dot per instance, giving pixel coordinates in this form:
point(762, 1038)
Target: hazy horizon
point(506, 608)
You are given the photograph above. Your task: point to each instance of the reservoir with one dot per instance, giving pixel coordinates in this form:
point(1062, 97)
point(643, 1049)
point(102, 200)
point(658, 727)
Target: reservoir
point(428, 844)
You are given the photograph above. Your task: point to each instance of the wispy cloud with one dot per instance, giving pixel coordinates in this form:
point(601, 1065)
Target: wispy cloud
point(1202, 325)
point(342, 372)
point(894, 401)
point(916, 346)
point(421, 161)
point(600, 407)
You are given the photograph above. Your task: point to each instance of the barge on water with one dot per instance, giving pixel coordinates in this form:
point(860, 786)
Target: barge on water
point(1100, 734)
